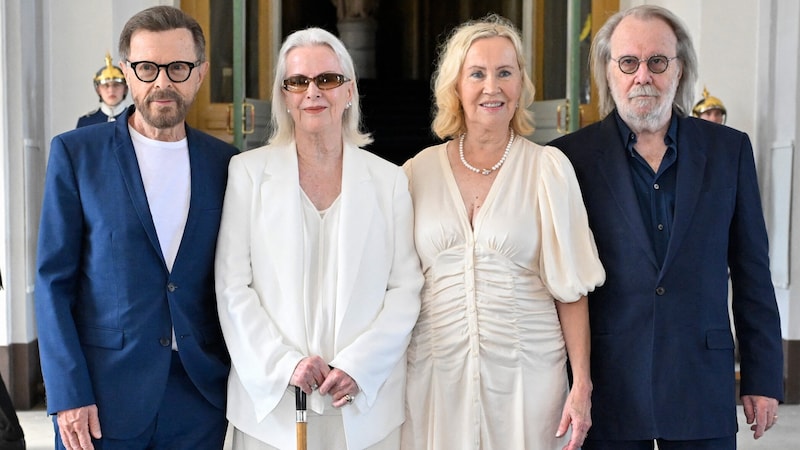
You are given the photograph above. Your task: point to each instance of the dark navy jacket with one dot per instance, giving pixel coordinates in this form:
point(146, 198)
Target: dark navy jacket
point(662, 358)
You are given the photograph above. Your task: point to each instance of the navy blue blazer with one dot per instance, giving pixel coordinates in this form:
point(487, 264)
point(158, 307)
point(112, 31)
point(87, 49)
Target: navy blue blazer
point(662, 356)
point(105, 301)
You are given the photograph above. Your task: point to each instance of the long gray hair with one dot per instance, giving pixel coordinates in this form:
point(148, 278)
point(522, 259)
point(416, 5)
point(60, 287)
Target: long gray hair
point(601, 55)
point(282, 123)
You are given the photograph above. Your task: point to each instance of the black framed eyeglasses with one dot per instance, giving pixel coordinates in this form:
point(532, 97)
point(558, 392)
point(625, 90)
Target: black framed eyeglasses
point(324, 81)
point(177, 71)
point(655, 64)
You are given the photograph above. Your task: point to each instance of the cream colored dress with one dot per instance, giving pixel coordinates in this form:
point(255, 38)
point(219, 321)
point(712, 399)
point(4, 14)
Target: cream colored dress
point(487, 360)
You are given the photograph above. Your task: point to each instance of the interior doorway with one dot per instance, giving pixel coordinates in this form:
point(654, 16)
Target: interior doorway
point(396, 97)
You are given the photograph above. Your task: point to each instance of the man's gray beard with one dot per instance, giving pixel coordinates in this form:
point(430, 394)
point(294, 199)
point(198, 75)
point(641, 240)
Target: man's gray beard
point(651, 121)
point(163, 120)
point(654, 119)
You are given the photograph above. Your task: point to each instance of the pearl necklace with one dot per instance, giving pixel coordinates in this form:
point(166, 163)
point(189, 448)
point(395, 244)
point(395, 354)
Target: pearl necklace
point(484, 171)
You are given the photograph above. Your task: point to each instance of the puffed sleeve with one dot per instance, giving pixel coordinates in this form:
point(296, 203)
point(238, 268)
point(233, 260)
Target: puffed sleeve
point(569, 264)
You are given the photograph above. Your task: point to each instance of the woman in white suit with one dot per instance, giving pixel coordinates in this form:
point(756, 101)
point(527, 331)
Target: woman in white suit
point(317, 277)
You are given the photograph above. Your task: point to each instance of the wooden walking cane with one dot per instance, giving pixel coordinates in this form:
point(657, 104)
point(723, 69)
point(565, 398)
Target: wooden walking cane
point(300, 418)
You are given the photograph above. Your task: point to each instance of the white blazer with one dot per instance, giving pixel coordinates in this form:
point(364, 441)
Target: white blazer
point(259, 285)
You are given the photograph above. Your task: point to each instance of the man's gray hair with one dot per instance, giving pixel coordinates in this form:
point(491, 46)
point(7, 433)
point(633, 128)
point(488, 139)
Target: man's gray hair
point(600, 57)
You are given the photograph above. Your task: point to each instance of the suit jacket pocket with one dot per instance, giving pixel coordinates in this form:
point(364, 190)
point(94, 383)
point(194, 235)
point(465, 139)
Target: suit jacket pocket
point(719, 340)
point(101, 337)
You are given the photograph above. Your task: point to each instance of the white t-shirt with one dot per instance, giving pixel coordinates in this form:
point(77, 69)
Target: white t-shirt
point(164, 167)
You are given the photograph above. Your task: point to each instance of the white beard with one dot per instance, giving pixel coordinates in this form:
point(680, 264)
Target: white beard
point(635, 111)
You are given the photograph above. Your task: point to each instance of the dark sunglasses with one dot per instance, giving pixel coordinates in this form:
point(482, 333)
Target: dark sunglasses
point(324, 81)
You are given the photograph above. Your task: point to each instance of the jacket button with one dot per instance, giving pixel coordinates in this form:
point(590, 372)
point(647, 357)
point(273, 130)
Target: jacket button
point(660, 290)
point(165, 342)
point(171, 287)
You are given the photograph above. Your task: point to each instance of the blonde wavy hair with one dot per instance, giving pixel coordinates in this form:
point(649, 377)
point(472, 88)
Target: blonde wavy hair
point(449, 121)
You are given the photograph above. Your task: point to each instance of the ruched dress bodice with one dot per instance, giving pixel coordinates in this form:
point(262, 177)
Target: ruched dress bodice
point(487, 360)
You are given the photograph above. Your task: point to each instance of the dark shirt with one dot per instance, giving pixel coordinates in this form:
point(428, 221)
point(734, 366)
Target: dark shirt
point(655, 191)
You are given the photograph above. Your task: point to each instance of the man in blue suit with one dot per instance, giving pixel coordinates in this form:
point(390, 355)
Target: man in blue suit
point(130, 342)
point(674, 204)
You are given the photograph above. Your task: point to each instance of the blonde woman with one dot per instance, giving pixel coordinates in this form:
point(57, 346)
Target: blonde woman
point(508, 259)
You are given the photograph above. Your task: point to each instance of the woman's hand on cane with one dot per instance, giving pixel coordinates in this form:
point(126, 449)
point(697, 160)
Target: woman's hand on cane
point(341, 387)
point(310, 373)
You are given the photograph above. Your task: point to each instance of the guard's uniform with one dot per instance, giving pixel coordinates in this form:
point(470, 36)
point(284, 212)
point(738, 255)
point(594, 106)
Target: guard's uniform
point(99, 115)
point(105, 113)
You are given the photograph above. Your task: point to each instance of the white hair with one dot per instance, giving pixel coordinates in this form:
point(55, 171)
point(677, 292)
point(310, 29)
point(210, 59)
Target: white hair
point(282, 123)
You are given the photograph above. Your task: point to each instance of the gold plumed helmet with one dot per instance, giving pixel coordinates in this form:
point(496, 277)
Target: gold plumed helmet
point(109, 73)
point(708, 103)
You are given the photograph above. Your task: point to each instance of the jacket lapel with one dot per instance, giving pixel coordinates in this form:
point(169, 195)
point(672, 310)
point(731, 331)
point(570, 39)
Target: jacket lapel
point(282, 227)
point(132, 177)
point(689, 180)
point(199, 195)
point(358, 210)
point(613, 165)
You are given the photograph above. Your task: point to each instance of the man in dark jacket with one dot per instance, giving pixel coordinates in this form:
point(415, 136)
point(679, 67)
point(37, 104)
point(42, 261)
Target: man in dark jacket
point(673, 203)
